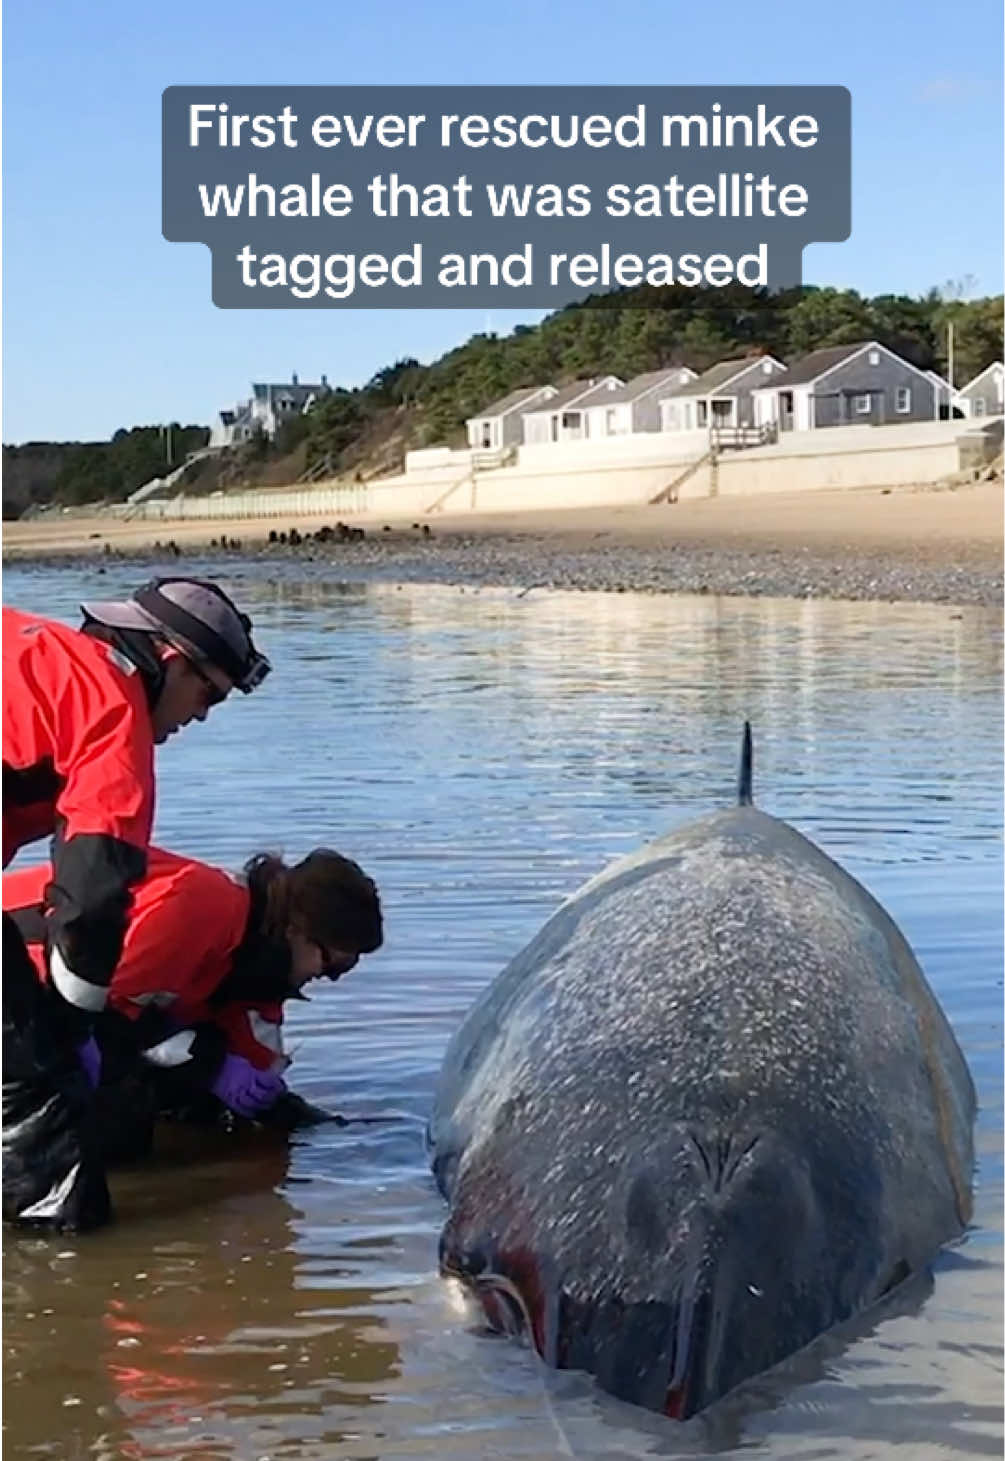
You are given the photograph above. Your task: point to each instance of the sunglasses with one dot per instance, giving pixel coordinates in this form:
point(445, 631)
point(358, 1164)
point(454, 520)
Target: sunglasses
point(214, 695)
point(335, 962)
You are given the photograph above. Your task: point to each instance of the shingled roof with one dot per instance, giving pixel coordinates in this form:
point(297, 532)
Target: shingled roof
point(298, 391)
point(717, 376)
point(810, 367)
point(508, 403)
point(991, 370)
point(566, 396)
point(637, 387)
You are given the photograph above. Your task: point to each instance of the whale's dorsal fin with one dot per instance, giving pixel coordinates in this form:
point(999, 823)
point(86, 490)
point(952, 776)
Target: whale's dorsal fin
point(745, 785)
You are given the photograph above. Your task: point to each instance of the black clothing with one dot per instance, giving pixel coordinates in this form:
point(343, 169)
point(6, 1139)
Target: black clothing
point(53, 1175)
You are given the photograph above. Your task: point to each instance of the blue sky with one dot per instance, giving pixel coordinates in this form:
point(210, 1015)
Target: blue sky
point(107, 325)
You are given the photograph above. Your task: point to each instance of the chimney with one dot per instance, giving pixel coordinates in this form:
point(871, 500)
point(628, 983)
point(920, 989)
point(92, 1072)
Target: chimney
point(324, 381)
point(296, 382)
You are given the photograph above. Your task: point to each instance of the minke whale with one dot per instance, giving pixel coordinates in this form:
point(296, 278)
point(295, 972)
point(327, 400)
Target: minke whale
point(710, 1111)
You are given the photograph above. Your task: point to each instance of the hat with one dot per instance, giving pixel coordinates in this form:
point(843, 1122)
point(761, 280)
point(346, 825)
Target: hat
point(198, 618)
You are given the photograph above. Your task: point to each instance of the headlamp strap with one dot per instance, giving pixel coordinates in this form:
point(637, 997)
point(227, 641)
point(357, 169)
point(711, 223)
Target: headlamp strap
point(200, 635)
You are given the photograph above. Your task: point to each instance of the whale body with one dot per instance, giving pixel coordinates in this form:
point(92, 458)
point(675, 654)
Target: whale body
point(710, 1111)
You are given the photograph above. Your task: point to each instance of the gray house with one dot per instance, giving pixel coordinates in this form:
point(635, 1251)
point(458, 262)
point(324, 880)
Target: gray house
point(232, 427)
point(847, 385)
point(500, 425)
point(985, 394)
point(634, 407)
point(269, 408)
point(560, 418)
point(721, 396)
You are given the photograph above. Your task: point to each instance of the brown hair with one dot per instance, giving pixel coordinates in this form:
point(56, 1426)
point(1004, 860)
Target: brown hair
point(327, 896)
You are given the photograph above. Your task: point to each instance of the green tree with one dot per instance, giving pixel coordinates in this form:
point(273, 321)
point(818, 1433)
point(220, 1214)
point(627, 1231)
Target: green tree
point(904, 325)
point(826, 317)
point(703, 343)
point(390, 384)
point(977, 334)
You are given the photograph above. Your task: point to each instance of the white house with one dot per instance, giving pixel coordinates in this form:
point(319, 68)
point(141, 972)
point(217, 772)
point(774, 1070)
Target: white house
point(269, 408)
point(560, 417)
point(500, 424)
point(633, 407)
point(864, 384)
point(721, 396)
point(985, 394)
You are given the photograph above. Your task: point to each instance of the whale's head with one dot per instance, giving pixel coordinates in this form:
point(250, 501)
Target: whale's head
point(677, 1270)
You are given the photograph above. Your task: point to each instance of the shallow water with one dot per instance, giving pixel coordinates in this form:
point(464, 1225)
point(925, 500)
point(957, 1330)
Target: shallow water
point(481, 754)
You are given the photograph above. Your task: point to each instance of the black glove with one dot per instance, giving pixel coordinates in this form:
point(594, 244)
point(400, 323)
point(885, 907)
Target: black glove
point(290, 1112)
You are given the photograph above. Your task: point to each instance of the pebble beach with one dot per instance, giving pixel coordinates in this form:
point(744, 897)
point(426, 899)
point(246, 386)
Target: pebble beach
point(920, 544)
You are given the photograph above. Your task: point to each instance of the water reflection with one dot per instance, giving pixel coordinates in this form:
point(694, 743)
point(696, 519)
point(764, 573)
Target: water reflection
point(199, 1317)
point(481, 753)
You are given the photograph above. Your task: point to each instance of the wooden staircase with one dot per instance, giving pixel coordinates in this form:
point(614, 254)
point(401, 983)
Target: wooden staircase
point(671, 491)
point(466, 481)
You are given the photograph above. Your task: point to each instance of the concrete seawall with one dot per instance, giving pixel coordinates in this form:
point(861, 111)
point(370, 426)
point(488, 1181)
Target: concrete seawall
point(618, 472)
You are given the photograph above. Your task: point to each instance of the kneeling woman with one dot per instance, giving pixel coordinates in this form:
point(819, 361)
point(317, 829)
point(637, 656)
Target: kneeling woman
point(196, 1001)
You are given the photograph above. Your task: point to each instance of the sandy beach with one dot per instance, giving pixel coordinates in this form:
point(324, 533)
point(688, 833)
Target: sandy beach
point(923, 543)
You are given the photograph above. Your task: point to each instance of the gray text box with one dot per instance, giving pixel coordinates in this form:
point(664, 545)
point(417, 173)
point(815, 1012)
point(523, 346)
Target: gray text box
point(502, 197)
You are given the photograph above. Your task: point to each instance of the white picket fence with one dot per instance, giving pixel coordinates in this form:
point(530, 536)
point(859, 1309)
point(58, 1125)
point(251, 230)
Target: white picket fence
point(336, 501)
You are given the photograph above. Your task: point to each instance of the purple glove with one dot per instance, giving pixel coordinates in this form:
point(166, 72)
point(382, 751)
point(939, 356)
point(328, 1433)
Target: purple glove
point(89, 1056)
point(243, 1088)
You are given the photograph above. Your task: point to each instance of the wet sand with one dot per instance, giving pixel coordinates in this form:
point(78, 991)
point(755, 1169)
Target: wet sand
point(928, 544)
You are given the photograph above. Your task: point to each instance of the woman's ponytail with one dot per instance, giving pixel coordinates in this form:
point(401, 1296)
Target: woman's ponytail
point(267, 877)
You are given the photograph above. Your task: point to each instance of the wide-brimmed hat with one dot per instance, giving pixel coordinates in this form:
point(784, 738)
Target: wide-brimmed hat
point(198, 618)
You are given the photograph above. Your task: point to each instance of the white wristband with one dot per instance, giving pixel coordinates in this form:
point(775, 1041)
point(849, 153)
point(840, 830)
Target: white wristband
point(76, 991)
point(175, 1050)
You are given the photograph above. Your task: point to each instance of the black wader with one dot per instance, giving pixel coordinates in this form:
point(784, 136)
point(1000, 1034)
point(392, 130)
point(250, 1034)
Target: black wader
point(53, 1174)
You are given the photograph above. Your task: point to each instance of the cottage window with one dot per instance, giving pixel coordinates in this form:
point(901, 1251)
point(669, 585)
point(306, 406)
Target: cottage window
point(873, 357)
point(979, 406)
point(766, 367)
point(862, 405)
point(903, 400)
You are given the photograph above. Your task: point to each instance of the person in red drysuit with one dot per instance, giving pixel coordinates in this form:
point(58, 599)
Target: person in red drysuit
point(82, 711)
point(206, 964)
